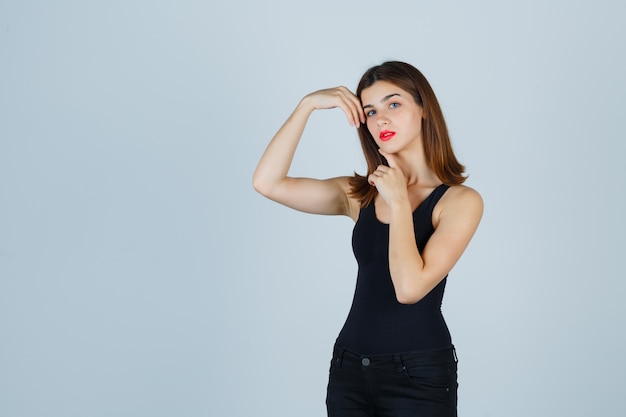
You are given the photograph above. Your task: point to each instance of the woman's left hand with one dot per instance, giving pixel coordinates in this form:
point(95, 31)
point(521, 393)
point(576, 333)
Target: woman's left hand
point(389, 180)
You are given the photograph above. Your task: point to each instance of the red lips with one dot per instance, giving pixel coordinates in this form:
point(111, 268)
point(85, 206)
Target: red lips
point(385, 135)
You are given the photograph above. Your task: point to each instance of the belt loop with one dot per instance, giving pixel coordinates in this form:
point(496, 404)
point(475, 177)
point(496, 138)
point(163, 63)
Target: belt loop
point(456, 358)
point(397, 358)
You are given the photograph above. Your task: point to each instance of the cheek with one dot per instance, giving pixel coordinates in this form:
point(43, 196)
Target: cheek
point(371, 132)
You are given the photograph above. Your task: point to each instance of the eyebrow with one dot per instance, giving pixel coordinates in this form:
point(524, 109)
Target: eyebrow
point(383, 100)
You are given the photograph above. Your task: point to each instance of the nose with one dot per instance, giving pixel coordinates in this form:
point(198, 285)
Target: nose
point(382, 121)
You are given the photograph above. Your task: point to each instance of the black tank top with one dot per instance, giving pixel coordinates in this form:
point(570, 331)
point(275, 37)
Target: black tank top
point(377, 322)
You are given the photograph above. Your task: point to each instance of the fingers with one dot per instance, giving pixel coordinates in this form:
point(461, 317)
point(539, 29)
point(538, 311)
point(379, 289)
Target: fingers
point(342, 98)
point(371, 179)
point(374, 176)
point(380, 171)
point(351, 106)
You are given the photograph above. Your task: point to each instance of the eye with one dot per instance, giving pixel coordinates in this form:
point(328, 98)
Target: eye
point(394, 105)
point(370, 113)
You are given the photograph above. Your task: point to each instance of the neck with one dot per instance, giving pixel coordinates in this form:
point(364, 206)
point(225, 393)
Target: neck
point(413, 164)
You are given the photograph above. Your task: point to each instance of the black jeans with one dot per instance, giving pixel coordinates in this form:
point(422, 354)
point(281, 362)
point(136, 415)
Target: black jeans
point(415, 384)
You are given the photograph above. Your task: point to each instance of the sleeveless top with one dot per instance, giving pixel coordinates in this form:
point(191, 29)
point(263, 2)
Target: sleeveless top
point(377, 323)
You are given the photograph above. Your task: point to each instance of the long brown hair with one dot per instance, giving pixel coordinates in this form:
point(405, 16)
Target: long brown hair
point(437, 147)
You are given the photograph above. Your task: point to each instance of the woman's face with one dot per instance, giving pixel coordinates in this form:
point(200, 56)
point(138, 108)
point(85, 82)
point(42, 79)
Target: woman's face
point(393, 117)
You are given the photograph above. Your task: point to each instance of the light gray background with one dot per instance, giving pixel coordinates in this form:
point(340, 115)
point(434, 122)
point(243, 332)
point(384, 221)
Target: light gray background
point(140, 275)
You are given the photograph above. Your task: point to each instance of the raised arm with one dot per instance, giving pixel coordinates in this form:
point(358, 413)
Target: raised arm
point(310, 195)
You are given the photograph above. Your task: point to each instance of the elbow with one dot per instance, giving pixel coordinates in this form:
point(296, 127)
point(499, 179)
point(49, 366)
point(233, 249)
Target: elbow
point(257, 185)
point(260, 186)
point(411, 291)
point(410, 295)
point(408, 286)
point(414, 291)
point(408, 298)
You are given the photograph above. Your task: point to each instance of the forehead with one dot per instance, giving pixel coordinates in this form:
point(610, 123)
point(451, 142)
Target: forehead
point(379, 91)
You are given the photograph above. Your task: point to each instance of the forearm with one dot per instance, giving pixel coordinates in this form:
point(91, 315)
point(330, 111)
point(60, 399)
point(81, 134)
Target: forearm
point(406, 264)
point(274, 165)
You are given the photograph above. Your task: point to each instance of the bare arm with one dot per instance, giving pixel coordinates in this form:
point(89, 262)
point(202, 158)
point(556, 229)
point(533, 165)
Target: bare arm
point(310, 195)
point(456, 219)
point(415, 274)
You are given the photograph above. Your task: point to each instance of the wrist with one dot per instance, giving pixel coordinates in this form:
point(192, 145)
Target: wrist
point(306, 105)
point(399, 203)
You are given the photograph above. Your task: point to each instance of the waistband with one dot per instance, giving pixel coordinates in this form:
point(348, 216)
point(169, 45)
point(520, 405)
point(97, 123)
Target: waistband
point(343, 356)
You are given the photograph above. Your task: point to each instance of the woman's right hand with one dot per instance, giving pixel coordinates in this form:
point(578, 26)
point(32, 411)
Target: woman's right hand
point(340, 97)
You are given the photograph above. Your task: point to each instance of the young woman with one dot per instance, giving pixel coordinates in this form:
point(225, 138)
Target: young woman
point(413, 220)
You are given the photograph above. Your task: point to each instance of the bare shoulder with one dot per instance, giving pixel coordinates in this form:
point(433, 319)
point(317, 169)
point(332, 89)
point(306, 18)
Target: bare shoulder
point(462, 194)
point(459, 202)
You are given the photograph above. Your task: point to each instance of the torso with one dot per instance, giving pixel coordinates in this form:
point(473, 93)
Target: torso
point(377, 322)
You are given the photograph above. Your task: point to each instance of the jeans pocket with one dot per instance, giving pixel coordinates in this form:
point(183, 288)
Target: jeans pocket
point(429, 376)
